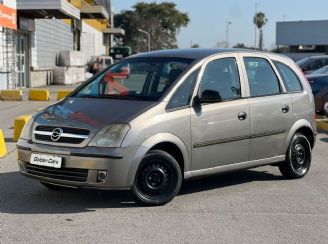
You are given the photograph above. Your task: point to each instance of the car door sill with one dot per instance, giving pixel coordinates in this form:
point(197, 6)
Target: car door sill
point(234, 167)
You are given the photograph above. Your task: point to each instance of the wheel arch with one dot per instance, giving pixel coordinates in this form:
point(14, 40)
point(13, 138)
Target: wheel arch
point(303, 126)
point(162, 141)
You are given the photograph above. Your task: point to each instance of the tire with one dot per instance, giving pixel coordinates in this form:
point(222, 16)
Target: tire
point(55, 187)
point(158, 179)
point(298, 158)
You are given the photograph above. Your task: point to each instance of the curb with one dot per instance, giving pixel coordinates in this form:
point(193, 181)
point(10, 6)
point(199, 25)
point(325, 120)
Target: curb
point(3, 149)
point(19, 125)
point(11, 95)
point(322, 124)
point(62, 94)
point(38, 95)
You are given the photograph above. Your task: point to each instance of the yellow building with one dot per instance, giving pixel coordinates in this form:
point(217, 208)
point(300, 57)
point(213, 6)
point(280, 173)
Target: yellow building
point(47, 27)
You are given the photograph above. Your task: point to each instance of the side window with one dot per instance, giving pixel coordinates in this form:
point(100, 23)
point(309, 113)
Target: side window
point(291, 81)
point(261, 77)
point(182, 95)
point(220, 81)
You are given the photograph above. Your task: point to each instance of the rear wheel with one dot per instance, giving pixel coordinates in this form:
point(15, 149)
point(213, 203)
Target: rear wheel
point(298, 158)
point(158, 179)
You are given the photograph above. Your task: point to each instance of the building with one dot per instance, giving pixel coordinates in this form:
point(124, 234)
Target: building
point(300, 39)
point(43, 28)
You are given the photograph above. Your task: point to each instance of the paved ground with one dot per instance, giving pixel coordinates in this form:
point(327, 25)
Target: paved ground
point(252, 206)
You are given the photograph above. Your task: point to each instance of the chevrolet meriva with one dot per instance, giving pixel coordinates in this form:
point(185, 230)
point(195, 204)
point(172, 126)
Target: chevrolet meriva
point(154, 119)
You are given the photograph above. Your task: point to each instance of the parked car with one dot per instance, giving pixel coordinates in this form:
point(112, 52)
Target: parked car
point(310, 64)
point(321, 71)
point(119, 52)
point(326, 109)
point(319, 85)
point(155, 119)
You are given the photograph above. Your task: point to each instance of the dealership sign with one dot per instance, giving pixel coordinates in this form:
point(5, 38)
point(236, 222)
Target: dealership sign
point(8, 17)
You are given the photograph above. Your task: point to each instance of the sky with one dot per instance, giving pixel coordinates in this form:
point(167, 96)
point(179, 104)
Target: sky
point(208, 18)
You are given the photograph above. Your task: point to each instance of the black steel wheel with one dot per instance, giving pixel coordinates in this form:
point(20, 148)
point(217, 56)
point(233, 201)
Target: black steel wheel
point(158, 179)
point(298, 158)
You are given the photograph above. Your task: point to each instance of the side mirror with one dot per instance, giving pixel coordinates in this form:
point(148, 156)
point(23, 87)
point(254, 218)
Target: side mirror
point(196, 102)
point(210, 96)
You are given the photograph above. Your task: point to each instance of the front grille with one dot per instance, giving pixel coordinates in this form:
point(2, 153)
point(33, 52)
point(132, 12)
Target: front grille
point(77, 131)
point(69, 135)
point(69, 174)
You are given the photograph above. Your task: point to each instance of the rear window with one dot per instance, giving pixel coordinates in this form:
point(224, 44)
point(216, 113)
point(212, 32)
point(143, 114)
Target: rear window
point(261, 77)
point(290, 79)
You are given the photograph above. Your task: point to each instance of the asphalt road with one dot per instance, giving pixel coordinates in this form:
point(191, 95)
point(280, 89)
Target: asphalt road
point(251, 206)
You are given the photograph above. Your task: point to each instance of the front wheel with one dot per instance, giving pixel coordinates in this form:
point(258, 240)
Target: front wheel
point(298, 158)
point(158, 179)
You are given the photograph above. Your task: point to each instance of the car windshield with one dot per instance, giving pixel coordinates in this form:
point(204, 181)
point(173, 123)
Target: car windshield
point(136, 78)
point(323, 70)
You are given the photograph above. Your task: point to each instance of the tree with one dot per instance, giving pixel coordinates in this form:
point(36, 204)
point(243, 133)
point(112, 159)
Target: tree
point(239, 45)
point(195, 45)
point(162, 21)
point(260, 20)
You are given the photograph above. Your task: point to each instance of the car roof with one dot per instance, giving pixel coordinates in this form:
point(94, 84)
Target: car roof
point(190, 53)
point(318, 57)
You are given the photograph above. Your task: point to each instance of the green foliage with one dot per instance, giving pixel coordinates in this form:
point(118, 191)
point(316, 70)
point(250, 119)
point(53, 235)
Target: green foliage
point(260, 20)
point(161, 20)
point(239, 45)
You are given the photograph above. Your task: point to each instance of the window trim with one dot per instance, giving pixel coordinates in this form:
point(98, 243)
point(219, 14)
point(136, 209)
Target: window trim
point(274, 61)
point(239, 76)
point(197, 70)
point(281, 88)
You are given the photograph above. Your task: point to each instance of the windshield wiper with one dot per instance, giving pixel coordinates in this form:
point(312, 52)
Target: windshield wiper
point(87, 96)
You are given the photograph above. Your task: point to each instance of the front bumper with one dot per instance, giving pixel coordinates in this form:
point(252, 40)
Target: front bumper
point(80, 166)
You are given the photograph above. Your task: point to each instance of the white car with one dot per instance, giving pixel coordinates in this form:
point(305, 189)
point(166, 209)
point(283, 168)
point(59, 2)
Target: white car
point(326, 109)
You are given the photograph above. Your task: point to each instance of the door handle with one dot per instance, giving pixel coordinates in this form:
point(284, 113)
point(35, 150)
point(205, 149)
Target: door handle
point(242, 115)
point(285, 108)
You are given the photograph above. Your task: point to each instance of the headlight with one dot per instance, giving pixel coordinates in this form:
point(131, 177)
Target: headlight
point(110, 136)
point(26, 132)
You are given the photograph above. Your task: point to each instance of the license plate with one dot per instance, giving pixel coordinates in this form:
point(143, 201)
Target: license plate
point(46, 160)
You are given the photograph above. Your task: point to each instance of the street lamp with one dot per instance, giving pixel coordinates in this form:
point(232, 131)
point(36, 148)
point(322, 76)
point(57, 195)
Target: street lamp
point(227, 33)
point(148, 37)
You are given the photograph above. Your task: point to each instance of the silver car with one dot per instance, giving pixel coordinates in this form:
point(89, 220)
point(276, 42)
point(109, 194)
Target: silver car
point(155, 119)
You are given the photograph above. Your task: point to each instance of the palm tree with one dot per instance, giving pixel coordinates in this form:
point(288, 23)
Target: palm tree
point(260, 20)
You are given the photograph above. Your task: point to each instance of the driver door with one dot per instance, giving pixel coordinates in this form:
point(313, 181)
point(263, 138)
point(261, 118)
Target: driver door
point(220, 123)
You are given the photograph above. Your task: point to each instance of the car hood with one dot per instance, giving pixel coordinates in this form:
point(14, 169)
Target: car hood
point(92, 113)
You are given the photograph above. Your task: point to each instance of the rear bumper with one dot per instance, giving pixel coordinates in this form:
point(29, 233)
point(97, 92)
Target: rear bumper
point(80, 166)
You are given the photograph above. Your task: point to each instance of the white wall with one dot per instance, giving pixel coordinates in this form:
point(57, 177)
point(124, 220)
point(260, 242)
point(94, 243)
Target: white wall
point(3, 73)
point(88, 45)
point(50, 37)
point(97, 44)
point(10, 3)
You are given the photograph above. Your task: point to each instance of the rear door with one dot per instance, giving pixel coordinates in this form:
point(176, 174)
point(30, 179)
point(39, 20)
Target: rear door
point(270, 107)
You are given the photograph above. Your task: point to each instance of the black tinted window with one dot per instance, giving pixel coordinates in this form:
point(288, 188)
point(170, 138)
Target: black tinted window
point(221, 80)
point(261, 77)
point(182, 95)
point(291, 81)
